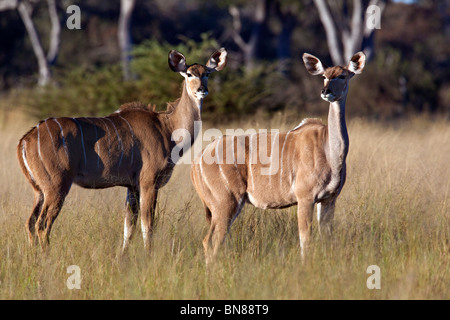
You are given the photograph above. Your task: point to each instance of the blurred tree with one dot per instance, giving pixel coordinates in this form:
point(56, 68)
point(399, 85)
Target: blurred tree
point(25, 9)
point(124, 35)
point(347, 35)
point(258, 17)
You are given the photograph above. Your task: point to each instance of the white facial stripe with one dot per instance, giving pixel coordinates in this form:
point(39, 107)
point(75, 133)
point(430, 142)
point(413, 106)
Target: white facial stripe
point(197, 95)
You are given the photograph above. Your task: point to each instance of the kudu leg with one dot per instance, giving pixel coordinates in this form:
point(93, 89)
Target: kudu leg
point(305, 211)
point(221, 221)
point(148, 206)
point(131, 216)
point(53, 202)
point(325, 214)
point(50, 209)
point(31, 221)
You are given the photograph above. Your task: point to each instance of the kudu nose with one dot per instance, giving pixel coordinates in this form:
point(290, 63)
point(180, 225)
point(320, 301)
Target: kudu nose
point(202, 89)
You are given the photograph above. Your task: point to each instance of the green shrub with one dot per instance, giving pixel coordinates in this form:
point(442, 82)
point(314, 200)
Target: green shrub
point(81, 91)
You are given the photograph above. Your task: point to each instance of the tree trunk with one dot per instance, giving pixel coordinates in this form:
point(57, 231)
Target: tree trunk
point(55, 32)
point(249, 48)
point(288, 21)
point(124, 35)
point(334, 46)
point(44, 70)
point(346, 35)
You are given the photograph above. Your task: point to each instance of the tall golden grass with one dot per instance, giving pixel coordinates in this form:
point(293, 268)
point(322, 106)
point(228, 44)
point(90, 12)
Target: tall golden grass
point(393, 212)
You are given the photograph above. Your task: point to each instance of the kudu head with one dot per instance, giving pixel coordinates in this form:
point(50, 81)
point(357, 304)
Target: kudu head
point(335, 78)
point(196, 75)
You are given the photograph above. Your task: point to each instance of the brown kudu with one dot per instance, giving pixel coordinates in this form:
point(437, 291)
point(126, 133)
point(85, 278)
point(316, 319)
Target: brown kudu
point(129, 148)
point(306, 166)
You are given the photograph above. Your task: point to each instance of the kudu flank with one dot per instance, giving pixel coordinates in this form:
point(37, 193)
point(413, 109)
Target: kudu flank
point(130, 148)
point(307, 165)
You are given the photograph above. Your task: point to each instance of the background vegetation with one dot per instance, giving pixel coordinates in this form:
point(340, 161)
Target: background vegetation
point(393, 211)
point(408, 71)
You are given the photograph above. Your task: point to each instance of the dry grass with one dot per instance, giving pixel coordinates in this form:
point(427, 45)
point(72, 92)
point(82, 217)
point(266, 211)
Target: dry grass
point(393, 212)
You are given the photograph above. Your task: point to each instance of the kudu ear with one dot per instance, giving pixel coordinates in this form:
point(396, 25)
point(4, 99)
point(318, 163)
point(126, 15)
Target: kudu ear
point(313, 64)
point(218, 60)
point(177, 62)
point(357, 63)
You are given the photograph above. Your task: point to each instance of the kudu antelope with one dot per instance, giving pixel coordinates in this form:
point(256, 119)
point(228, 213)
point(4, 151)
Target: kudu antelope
point(305, 166)
point(129, 148)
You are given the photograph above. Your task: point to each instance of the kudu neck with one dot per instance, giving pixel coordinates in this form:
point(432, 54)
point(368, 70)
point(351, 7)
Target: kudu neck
point(186, 112)
point(338, 141)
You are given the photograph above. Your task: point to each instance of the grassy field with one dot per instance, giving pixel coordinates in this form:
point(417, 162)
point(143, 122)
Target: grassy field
point(393, 212)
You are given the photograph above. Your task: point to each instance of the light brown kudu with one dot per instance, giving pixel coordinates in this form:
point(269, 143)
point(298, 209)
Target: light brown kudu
point(305, 166)
point(129, 148)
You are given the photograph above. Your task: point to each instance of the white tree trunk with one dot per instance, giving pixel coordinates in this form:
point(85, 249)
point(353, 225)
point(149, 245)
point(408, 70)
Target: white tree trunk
point(55, 32)
point(344, 37)
point(124, 35)
point(330, 31)
point(24, 8)
point(44, 70)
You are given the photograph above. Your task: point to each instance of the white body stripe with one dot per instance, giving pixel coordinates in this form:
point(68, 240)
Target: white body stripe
point(227, 185)
point(203, 176)
point(109, 137)
point(25, 162)
point(281, 159)
point(63, 139)
point(250, 160)
point(300, 124)
point(51, 138)
point(82, 140)
point(120, 141)
point(271, 159)
point(39, 142)
point(235, 163)
point(133, 139)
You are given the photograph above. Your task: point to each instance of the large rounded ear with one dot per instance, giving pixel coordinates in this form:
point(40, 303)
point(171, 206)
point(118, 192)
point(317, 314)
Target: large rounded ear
point(218, 60)
point(313, 64)
point(177, 62)
point(357, 62)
